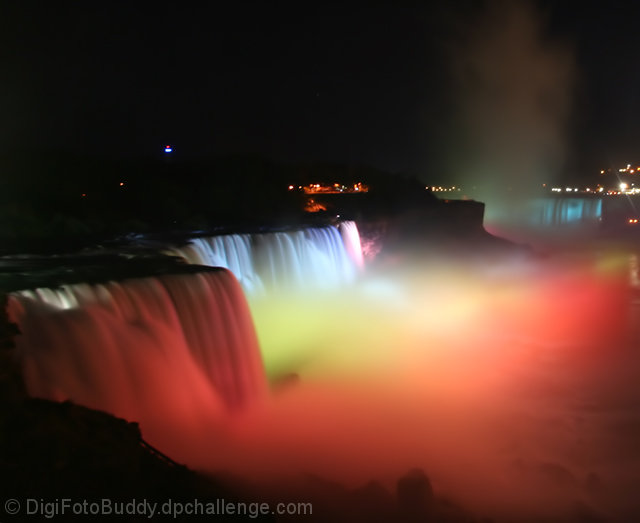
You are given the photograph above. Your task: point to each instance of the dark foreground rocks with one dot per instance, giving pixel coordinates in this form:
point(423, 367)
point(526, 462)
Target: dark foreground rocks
point(51, 452)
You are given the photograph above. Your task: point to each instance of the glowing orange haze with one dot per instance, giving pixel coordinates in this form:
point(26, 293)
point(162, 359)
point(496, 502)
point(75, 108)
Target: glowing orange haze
point(489, 378)
point(510, 383)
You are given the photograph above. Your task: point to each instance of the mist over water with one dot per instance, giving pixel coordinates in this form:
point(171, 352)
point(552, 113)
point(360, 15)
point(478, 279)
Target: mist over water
point(508, 385)
point(510, 380)
point(513, 87)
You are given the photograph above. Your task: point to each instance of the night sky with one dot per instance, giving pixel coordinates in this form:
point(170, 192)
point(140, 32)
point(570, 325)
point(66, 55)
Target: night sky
point(380, 86)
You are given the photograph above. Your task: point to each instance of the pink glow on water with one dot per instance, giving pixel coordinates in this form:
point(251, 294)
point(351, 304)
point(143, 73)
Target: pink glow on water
point(351, 239)
point(492, 381)
point(172, 352)
point(512, 383)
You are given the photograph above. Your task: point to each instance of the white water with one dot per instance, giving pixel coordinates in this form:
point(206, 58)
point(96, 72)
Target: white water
point(553, 212)
point(231, 251)
point(515, 389)
point(175, 352)
point(307, 259)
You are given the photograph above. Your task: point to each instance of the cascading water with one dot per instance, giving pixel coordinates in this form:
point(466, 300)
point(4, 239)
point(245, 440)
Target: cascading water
point(313, 258)
point(514, 384)
point(176, 351)
point(170, 351)
point(351, 238)
point(548, 212)
point(231, 251)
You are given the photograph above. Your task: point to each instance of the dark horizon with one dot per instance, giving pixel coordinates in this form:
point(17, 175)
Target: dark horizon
point(371, 86)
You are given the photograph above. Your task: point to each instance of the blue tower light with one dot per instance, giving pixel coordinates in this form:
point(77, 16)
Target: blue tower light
point(168, 149)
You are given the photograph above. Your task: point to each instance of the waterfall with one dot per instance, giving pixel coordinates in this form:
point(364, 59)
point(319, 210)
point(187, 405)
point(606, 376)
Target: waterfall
point(564, 211)
point(174, 352)
point(351, 239)
point(166, 350)
point(231, 251)
point(313, 258)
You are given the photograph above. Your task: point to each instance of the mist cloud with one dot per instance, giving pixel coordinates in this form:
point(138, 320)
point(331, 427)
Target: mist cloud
point(513, 91)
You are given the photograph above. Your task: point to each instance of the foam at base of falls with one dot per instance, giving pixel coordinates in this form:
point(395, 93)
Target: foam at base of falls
point(167, 350)
point(313, 258)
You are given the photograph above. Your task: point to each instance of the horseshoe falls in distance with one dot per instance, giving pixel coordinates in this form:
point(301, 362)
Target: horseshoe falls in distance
point(548, 212)
point(312, 258)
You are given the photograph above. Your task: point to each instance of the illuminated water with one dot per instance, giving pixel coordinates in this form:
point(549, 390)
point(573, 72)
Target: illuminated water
point(312, 258)
point(511, 382)
point(513, 388)
point(232, 251)
point(171, 352)
point(564, 211)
